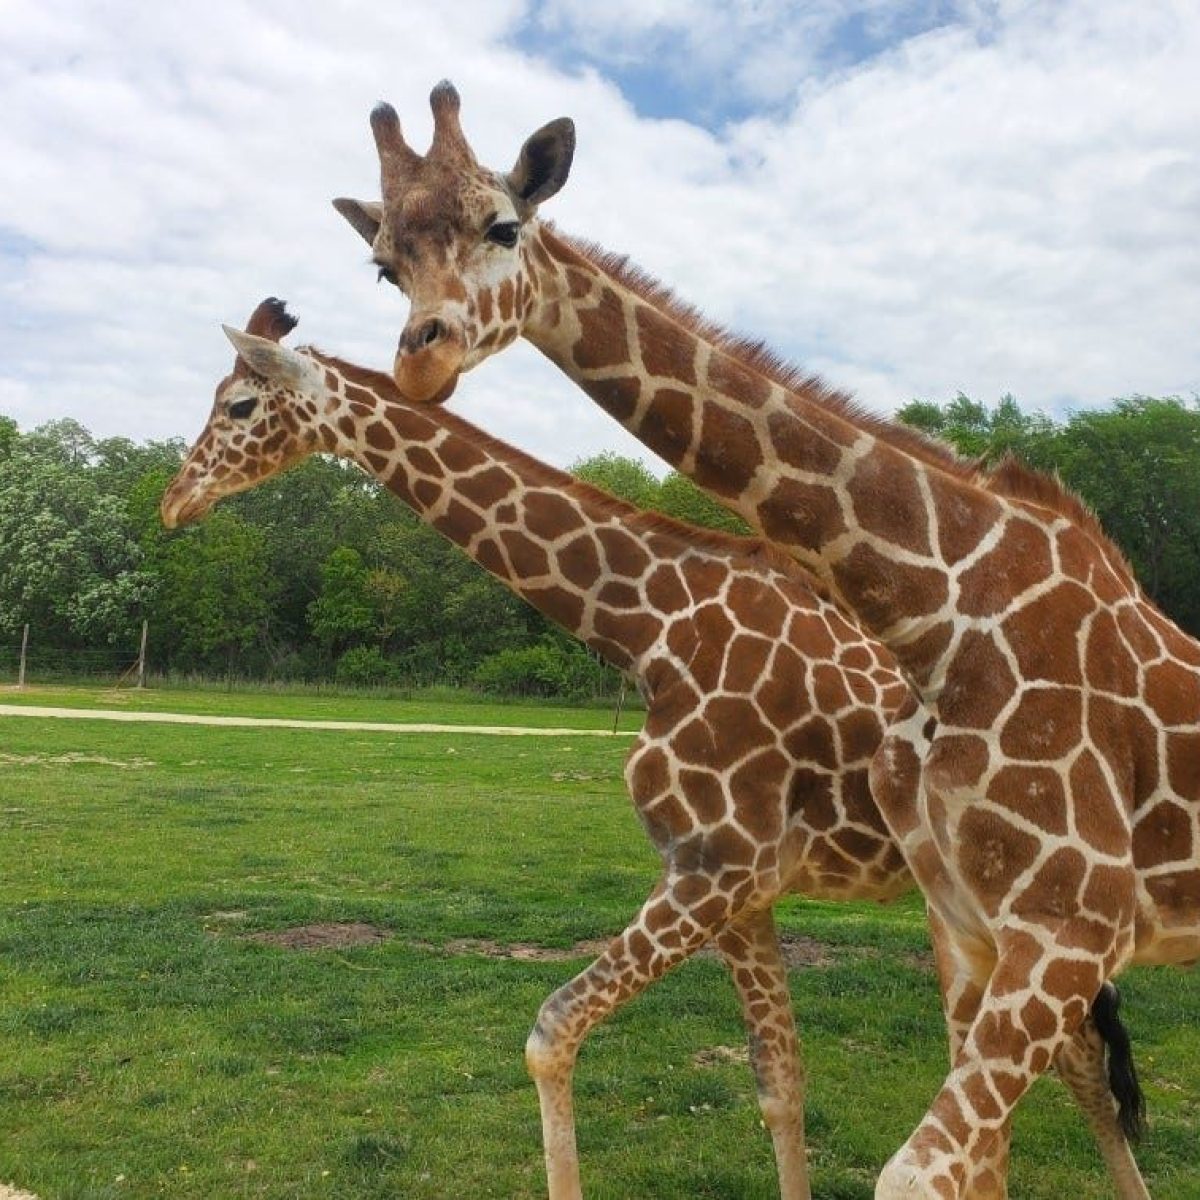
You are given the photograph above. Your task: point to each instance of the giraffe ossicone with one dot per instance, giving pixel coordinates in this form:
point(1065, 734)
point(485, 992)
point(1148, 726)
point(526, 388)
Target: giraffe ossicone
point(1059, 802)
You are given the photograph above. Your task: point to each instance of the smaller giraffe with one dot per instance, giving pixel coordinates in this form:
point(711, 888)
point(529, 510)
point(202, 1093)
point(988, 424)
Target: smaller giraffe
point(764, 704)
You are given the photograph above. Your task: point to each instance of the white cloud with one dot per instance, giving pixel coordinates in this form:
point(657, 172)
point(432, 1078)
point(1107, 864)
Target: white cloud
point(1004, 203)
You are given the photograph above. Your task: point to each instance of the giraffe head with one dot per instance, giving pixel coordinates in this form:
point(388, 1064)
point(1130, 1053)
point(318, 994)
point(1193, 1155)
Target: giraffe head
point(265, 418)
point(453, 236)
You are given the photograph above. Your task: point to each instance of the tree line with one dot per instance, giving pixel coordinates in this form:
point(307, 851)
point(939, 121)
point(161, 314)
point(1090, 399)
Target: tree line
point(322, 575)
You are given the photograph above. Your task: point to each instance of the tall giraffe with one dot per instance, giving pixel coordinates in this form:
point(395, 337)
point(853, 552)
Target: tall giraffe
point(764, 704)
point(1059, 796)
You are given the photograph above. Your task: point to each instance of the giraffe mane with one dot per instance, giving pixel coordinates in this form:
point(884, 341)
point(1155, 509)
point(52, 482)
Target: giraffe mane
point(1010, 478)
point(1016, 480)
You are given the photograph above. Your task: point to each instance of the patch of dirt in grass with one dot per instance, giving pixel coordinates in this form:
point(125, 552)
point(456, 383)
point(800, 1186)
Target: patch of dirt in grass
point(12, 1193)
point(331, 936)
point(70, 759)
point(801, 951)
point(521, 951)
point(717, 1056)
point(798, 951)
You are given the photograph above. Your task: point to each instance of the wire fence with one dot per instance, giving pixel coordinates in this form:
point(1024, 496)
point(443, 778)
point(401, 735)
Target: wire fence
point(30, 662)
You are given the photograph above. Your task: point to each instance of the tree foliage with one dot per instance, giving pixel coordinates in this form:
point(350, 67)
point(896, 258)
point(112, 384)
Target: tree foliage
point(1137, 464)
point(70, 565)
point(322, 574)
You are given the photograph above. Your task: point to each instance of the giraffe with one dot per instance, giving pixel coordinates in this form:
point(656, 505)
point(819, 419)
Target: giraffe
point(764, 703)
point(1059, 792)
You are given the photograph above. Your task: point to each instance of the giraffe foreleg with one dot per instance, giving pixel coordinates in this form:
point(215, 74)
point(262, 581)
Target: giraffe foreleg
point(1030, 1010)
point(681, 915)
point(750, 948)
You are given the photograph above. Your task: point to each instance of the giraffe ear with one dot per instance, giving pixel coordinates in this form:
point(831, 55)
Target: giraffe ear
point(544, 162)
point(265, 357)
point(365, 215)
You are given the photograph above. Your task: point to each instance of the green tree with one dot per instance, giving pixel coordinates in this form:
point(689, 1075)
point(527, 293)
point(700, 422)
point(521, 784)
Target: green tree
point(626, 478)
point(70, 563)
point(1136, 464)
point(343, 614)
point(118, 464)
point(304, 515)
point(680, 498)
point(8, 435)
point(975, 430)
point(217, 591)
point(1138, 467)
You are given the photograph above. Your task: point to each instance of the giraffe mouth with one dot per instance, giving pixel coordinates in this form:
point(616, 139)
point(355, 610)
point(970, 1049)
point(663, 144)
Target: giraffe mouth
point(180, 508)
point(426, 387)
point(446, 391)
point(430, 374)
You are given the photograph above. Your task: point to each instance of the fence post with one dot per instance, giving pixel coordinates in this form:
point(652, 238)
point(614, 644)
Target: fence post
point(141, 666)
point(620, 703)
point(24, 647)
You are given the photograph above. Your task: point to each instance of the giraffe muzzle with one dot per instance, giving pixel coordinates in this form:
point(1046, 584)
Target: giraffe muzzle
point(429, 360)
point(182, 504)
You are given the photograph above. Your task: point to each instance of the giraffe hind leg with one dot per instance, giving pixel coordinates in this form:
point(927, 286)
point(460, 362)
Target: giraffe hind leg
point(1110, 1099)
point(750, 949)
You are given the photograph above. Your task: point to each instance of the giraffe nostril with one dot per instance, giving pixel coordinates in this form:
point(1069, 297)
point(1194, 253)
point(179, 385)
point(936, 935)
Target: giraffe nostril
point(423, 336)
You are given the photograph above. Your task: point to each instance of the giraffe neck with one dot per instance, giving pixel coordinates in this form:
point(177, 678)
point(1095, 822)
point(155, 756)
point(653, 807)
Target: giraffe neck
point(881, 516)
point(575, 553)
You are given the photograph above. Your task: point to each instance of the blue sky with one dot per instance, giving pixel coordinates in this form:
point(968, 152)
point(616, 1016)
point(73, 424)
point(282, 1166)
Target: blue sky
point(911, 198)
point(665, 57)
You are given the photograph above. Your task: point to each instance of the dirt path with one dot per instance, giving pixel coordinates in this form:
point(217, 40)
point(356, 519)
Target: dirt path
point(9, 1193)
point(109, 714)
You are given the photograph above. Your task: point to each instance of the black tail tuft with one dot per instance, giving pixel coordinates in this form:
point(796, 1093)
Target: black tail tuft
point(1122, 1078)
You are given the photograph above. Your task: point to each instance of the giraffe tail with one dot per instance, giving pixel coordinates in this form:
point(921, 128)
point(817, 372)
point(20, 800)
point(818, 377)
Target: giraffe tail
point(1122, 1077)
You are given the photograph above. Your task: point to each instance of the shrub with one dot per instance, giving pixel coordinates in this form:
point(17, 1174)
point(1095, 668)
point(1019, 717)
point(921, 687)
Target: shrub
point(364, 665)
point(546, 669)
point(528, 671)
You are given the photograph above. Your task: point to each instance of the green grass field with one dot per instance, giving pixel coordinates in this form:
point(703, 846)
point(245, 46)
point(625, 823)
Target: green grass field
point(149, 1046)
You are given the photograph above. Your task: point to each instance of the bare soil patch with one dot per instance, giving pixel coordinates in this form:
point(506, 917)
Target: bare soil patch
point(71, 758)
point(521, 951)
point(799, 952)
point(12, 1193)
point(717, 1056)
point(331, 936)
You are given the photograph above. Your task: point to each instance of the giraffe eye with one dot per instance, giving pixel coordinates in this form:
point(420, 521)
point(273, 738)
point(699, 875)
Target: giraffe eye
point(503, 233)
point(239, 410)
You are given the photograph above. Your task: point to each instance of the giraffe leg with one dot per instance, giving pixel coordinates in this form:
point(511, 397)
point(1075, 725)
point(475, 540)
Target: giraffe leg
point(750, 949)
point(668, 930)
point(1081, 1066)
point(964, 966)
point(1031, 1008)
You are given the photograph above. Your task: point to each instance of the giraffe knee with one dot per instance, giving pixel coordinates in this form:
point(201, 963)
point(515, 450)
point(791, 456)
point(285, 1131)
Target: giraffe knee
point(781, 1114)
point(548, 1049)
point(540, 1056)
